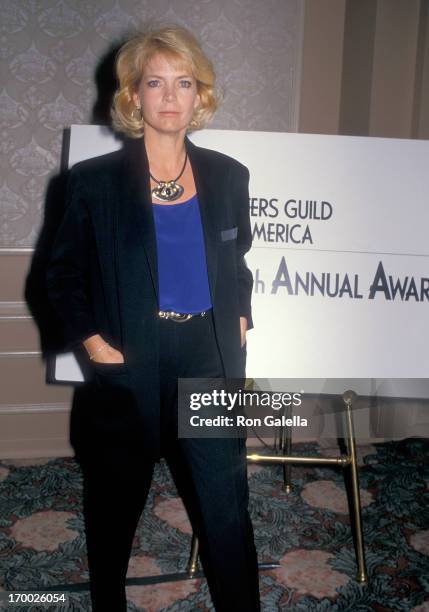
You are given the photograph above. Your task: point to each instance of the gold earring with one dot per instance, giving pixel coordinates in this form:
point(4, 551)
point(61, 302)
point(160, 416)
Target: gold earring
point(137, 108)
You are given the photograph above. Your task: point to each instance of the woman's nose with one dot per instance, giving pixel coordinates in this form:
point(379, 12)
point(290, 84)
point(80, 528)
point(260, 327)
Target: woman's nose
point(169, 94)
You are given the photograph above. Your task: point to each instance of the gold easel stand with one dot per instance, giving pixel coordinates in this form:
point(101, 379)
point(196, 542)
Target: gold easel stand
point(343, 460)
point(348, 460)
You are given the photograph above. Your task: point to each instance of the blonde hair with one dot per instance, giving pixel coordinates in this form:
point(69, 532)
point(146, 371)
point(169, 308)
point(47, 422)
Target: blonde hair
point(178, 44)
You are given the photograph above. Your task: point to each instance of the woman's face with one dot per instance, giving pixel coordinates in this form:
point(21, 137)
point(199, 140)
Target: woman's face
point(167, 94)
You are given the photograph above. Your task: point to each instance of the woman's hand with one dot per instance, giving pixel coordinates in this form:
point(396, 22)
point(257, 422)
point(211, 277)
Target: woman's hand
point(108, 355)
point(100, 351)
point(243, 330)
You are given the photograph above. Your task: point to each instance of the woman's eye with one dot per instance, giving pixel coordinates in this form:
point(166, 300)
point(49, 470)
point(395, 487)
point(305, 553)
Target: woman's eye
point(185, 84)
point(153, 83)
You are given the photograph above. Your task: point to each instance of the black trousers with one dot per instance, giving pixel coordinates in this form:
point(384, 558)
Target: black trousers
point(210, 475)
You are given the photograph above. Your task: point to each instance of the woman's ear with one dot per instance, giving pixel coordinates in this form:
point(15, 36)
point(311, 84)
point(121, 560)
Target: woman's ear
point(135, 98)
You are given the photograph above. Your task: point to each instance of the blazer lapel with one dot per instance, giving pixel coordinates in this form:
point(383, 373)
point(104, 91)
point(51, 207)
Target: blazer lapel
point(137, 206)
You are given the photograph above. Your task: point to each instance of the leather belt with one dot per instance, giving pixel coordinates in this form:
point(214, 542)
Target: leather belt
point(179, 317)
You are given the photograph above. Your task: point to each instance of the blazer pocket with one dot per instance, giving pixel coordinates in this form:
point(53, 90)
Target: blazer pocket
point(113, 383)
point(228, 234)
point(110, 368)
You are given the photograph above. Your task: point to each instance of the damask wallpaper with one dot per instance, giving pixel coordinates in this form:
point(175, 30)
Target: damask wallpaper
point(52, 55)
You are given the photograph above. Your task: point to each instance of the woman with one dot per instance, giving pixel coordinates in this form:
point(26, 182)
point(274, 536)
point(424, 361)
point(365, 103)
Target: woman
point(148, 275)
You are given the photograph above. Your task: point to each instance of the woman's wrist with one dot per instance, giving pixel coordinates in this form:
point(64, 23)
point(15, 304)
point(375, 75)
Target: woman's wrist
point(100, 351)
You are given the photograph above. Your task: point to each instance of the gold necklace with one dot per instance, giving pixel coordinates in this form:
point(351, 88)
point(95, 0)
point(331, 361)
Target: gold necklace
point(167, 191)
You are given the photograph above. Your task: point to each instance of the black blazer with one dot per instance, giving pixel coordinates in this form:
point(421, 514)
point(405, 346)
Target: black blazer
point(103, 278)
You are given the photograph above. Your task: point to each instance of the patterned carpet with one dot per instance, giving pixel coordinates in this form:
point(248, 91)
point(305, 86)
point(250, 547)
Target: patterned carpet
point(306, 531)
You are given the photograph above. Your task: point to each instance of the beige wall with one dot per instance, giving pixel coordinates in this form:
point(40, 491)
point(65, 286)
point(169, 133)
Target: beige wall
point(322, 61)
point(394, 68)
point(421, 101)
point(365, 68)
point(356, 77)
point(326, 66)
point(33, 416)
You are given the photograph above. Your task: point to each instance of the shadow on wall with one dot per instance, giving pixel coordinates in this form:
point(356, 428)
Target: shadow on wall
point(48, 323)
point(106, 83)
